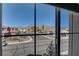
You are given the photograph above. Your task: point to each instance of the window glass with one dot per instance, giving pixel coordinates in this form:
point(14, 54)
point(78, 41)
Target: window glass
point(17, 19)
point(45, 24)
point(64, 43)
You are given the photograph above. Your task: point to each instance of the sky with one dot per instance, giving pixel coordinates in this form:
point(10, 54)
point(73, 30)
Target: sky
point(23, 15)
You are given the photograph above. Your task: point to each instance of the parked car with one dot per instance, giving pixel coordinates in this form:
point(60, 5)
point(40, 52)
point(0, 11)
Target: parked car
point(4, 43)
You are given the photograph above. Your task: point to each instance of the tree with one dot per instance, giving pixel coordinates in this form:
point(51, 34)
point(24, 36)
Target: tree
point(43, 27)
point(9, 29)
point(50, 51)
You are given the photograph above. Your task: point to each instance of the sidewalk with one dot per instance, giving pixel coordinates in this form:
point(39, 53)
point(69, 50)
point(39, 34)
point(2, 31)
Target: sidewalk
point(54, 37)
point(19, 42)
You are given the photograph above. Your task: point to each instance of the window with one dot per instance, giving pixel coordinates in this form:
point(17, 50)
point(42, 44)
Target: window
point(32, 29)
point(18, 21)
point(45, 25)
point(64, 42)
point(19, 29)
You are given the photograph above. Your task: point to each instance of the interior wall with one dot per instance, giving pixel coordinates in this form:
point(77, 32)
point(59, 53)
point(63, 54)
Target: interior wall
point(74, 38)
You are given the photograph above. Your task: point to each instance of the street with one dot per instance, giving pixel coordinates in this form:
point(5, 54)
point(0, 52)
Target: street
point(26, 48)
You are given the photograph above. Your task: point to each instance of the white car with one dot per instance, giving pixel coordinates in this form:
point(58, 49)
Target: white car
point(4, 43)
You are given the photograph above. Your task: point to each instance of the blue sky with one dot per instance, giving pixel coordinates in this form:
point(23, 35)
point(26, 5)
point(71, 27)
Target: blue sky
point(23, 15)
